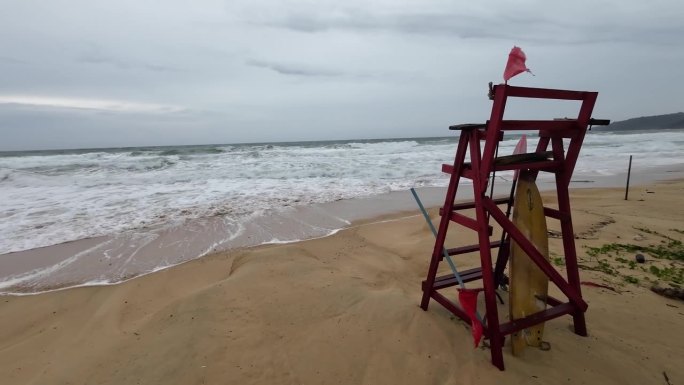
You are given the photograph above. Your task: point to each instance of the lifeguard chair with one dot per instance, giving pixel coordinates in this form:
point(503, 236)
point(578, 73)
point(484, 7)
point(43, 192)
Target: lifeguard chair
point(559, 161)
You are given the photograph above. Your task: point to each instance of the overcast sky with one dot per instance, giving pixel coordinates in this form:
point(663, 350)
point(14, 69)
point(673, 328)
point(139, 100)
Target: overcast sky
point(77, 74)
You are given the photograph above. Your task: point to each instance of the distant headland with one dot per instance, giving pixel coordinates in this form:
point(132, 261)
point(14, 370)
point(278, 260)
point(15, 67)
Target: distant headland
point(655, 122)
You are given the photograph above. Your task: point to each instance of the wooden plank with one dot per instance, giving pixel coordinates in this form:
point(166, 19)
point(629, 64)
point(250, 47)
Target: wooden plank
point(468, 126)
point(552, 301)
point(527, 281)
point(457, 311)
point(447, 168)
point(547, 125)
point(449, 280)
point(471, 248)
point(471, 205)
point(536, 318)
point(467, 222)
point(548, 165)
point(524, 158)
point(545, 165)
point(544, 93)
point(476, 271)
point(556, 214)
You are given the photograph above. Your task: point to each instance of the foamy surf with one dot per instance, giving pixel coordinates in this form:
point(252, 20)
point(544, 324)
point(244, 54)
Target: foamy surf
point(68, 218)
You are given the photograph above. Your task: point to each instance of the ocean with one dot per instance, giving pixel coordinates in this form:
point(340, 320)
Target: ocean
point(102, 216)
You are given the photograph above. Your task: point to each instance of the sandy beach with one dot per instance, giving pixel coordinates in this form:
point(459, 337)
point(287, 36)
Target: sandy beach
point(344, 310)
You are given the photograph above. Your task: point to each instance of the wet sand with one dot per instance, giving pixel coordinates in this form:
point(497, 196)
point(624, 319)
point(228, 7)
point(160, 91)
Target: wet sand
point(344, 309)
point(112, 259)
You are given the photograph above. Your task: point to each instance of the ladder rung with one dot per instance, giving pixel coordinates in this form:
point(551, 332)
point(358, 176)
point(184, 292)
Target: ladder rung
point(557, 214)
point(523, 158)
point(548, 165)
point(471, 248)
point(449, 280)
point(543, 165)
point(536, 318)
point(468, 222)
point(470, 205)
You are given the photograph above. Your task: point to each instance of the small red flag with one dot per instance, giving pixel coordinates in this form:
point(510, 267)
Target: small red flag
point(516, 63)
point(520, 148)
point(468, 300)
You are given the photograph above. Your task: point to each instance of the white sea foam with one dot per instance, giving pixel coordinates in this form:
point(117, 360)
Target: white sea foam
point(174, 204)
point(54, 197)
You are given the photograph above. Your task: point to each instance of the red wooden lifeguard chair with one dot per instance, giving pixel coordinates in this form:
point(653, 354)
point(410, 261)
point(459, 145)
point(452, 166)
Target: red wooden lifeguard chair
point(558, 161)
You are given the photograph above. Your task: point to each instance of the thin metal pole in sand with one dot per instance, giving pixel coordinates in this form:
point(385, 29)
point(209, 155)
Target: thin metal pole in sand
point(434, 232)
point(451, 263)
point(629, 171)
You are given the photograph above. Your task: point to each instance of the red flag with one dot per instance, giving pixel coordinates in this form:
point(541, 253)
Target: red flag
point(516, 63)
point(468, 300)
point(520, 148)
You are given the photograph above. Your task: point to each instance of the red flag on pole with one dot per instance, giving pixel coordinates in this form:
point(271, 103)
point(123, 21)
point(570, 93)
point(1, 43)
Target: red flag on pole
point(468, 300)
point(516, 63)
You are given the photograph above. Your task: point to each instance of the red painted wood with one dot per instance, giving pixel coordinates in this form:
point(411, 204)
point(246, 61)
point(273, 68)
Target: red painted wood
point(535, 255)
point(444, 222)
point(456, 310)
point(470, 205)
point(553, 213)
point(449, 280)
point(480, 167)
point(546, 93)
point(548, 125)
point(471, 248)
point(470, 223)
point(548, 165)
point(536, 318)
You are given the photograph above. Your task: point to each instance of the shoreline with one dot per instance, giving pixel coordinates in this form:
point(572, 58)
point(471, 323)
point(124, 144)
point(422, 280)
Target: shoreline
point(110, 260)
point(345, 308)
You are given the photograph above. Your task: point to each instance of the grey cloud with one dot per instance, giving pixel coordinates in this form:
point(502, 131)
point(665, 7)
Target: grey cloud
point(308, 71)
point(94, 55)
point(41, 127)
point(285, 69)
point(470, 27)
point(161, 112)
point(244, 70)
point(515, 26)
point(11, 60)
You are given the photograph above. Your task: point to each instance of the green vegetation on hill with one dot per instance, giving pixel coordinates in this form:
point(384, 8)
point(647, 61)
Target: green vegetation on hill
point(656, 122)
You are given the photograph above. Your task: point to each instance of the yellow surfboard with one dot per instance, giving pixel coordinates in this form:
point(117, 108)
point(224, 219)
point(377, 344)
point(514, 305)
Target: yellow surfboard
point(527, 282)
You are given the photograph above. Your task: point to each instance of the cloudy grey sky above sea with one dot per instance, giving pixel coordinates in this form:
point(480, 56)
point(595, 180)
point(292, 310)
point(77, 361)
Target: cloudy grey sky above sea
point(77, 74)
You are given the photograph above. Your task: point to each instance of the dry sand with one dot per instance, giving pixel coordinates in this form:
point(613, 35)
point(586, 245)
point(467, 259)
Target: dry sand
point(344, 310)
